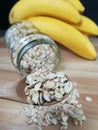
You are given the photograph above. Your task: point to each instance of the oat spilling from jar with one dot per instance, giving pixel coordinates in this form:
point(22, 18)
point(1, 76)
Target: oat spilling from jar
point(68, 110)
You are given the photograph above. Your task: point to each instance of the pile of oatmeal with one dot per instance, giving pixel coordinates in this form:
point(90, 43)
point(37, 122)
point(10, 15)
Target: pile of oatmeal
point(52, 100)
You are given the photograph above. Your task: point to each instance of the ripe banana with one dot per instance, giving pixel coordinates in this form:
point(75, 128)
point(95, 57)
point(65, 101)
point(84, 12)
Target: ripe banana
point(60, 9)
point(87, 26)
point(78, 5)
point(65, 34)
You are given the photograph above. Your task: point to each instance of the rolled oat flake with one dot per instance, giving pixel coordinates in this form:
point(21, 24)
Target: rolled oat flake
point(30, 49)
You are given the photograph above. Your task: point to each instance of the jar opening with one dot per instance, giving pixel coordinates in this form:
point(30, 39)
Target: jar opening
point(32, 44)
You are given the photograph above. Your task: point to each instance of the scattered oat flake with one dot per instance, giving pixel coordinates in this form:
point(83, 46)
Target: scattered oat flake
point(88, 99)
point(75, 84)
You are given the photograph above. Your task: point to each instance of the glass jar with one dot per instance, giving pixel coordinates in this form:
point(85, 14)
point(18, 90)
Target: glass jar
point(30, 49)
point(17, 31)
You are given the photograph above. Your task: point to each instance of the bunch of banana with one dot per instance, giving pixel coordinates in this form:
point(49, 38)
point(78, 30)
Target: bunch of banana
point(62, 20)
point(60, 9)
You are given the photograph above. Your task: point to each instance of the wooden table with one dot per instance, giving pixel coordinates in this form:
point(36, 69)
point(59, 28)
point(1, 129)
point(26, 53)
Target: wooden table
point(82, 72)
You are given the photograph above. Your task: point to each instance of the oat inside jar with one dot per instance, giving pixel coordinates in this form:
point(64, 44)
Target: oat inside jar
point(41, 57)
point(39, 53)
point(17, 31)
point(32, 51)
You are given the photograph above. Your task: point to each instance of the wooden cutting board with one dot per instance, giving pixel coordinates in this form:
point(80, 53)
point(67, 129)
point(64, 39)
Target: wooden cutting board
point(82, 72)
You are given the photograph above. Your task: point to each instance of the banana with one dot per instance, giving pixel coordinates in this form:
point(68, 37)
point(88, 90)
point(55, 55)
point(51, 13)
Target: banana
point(60, 9)
point(65, 34)
point(87, 26)
point(80, 7)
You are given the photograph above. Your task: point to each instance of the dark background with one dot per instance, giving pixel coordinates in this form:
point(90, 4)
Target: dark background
point(5, 6)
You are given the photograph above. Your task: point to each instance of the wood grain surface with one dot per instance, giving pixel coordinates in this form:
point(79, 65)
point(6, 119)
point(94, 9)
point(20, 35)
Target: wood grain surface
point(82, 72)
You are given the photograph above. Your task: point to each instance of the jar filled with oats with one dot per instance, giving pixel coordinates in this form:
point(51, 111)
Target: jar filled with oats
point(30, 49)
